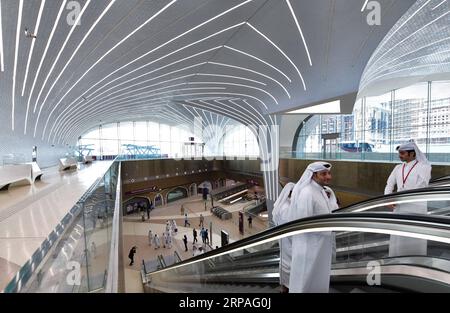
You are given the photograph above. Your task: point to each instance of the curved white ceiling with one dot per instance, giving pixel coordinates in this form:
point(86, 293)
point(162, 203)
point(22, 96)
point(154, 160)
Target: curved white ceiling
point(416, 49)
point(138, 59)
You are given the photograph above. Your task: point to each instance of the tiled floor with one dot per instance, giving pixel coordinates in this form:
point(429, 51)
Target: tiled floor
point(135, 232)
point(28, 214)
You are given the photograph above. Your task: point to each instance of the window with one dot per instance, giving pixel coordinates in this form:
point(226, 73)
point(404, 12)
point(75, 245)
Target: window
point(378, 124)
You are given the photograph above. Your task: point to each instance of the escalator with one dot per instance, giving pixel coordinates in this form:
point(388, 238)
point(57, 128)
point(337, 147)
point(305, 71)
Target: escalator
point(362, 234)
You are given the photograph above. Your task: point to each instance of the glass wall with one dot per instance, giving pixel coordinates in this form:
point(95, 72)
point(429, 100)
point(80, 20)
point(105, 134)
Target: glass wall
point(145, 138)
point(239, 140)
point(379, 124)
point(137, 138)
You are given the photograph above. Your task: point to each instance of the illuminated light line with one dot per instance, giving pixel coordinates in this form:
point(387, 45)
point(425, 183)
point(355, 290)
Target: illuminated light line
point(239, 85)
point(261, 60)
point(16, 52)
point(410, 35)
point(145, 74)
point(150, 94)
point(210, 106)
point(385, 40)
point(231, 76)
point(50, 38)
point(78, 47)
point(166, 43)
point(438, 5)
point(207, 123)
point(410, 60)
point(103, 56)
point(245, 95)
point(175, 112)
point(252, 71)
point(194, 94)
point(194, 116)
point(2, 56)
point(371, 73)
point(300, 30)
point(281, 51)
point(146, 81)
point(36, 31)
point(364, 5)
point(142, 99)
point(72, 29)
point(70, 109)
point(128, 73)
point(252, 118)
point(132, 91)
point(74, 129)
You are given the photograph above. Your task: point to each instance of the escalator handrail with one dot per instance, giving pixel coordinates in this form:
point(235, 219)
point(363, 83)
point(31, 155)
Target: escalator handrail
point(411, 192)
point(439, 179)
point(440, 226)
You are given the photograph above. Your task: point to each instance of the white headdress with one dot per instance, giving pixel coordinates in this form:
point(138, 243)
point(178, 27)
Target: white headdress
point(411, 146)
point(308, 174)
point(279, 206)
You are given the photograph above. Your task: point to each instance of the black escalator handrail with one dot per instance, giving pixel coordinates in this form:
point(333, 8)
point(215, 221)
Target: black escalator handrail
point(412, 192)
point(439, 179)
point(436, 227)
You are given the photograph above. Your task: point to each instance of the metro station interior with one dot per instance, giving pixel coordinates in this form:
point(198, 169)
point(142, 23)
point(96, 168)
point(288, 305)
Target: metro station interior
point(146, 146)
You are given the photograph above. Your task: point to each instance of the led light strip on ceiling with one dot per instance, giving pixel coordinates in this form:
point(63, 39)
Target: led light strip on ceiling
point(166, 43)
point(36, 31)
point(16, 52)
point(78, 47)
point(101, 58)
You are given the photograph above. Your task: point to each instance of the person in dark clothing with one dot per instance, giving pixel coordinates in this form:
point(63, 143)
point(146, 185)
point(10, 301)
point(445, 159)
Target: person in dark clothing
point(206, 236)
point(194, 234)
point(250, 219)
point(185, 243)
point(131, 255)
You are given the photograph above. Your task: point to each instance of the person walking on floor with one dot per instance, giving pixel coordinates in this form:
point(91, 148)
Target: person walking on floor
point(250, 219)
point(186, 221)
point(131, 255)
point(194, 234)
point(185, 241)
point(202, 219)
point(206, 236)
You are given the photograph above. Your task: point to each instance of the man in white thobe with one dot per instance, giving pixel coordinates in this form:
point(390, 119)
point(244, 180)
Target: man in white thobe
point(414, 173)
point(312, 252)
point(150, 237)
point(156, 241)
point(280, 215)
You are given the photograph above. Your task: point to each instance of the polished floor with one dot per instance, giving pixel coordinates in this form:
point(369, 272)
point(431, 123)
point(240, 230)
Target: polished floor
point(135, 233)
point(28, 214)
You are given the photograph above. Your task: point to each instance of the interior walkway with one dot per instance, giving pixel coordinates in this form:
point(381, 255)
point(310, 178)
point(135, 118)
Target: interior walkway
point(28, 214)
point(135, 232)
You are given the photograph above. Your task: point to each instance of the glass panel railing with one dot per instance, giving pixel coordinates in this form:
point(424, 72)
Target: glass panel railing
point(76, 258)
point(399, 249)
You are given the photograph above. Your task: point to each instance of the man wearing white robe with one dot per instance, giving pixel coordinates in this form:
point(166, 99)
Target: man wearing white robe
point(150, 237)
point(280, 215)
point(312, 252)
point(415, 172)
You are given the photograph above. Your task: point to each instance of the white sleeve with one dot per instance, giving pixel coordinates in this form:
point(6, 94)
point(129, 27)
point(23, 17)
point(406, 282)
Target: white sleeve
point(391, 182)
point(424, 177)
